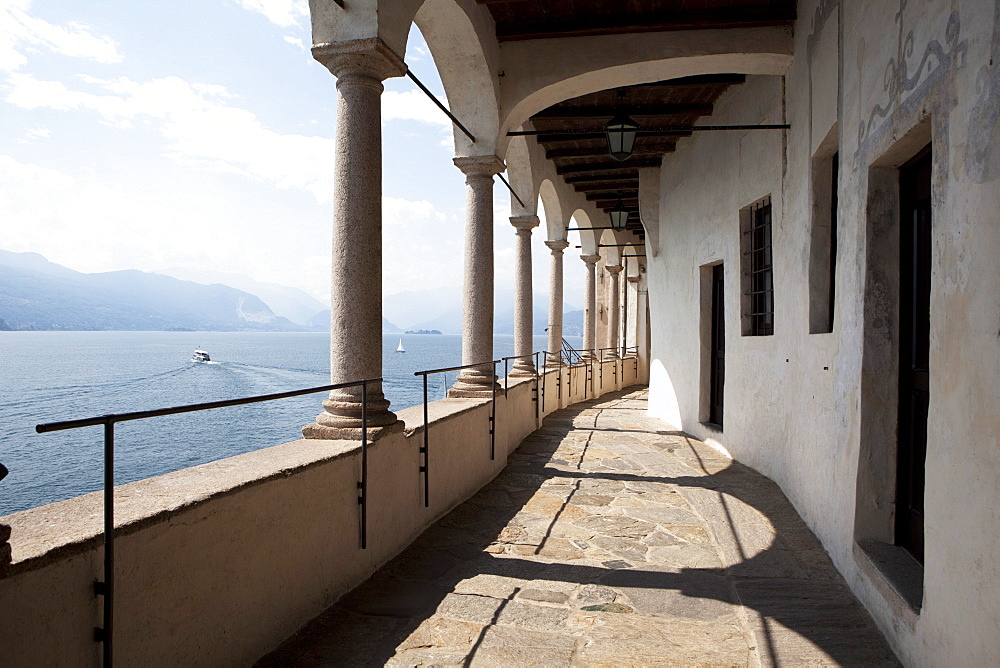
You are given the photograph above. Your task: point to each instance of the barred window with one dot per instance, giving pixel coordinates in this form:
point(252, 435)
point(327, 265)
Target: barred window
point(758, 275)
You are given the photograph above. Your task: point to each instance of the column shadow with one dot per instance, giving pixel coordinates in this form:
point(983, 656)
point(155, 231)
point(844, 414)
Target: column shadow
point(367, 625)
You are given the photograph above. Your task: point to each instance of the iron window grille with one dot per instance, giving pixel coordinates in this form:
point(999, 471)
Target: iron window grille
point(758, 269)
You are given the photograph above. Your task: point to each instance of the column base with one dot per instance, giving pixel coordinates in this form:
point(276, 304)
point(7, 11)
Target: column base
point(328, 433)
point(523, 370)
point(341, 418)
point(456, 393)
point(473, 383)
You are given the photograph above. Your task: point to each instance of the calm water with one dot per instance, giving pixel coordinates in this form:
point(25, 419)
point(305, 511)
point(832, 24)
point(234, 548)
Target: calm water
point(50, 376)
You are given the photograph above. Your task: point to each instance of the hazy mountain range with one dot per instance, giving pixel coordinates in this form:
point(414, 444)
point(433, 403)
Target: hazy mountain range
point(36, 294)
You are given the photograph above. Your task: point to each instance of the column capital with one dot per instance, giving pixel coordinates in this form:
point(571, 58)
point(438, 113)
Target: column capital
point(524, 222)
point(634, 279)
point(590, 259)
point(614, 269)
point(557, 246)
point(370, 58)
point(480, 165)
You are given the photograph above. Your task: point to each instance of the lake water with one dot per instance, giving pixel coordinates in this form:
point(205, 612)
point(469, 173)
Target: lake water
point(51, 376)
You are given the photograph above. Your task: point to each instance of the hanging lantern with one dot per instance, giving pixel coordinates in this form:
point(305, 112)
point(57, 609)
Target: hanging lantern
point(619, 216)
point(621, 131)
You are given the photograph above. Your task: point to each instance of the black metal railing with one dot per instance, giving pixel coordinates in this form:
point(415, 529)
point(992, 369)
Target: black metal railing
point(506, 375)
point(570, 354)
point(106, 588)
point(425, 448)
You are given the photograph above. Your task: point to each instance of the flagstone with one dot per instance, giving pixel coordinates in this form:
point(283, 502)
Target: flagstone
point(609, 540)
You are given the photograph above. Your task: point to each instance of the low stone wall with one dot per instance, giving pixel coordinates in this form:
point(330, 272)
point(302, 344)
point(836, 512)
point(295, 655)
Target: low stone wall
point(217, 564)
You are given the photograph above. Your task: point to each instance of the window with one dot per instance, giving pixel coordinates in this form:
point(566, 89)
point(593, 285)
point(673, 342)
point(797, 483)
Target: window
point(757, 264)
point(823, 242)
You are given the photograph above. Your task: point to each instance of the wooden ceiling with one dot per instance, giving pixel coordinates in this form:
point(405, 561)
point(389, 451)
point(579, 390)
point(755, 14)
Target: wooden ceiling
point(572, 134)
point(541, 19)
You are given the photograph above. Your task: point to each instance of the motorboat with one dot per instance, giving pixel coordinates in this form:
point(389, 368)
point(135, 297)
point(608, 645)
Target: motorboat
point(200, 356)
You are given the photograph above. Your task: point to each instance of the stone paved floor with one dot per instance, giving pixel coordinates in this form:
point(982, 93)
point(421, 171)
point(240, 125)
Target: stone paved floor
point(608, 541)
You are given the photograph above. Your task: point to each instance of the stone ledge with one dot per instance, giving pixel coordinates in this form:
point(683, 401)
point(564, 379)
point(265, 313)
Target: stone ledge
point(895, 574)
point(58, 530)
point(442, 409)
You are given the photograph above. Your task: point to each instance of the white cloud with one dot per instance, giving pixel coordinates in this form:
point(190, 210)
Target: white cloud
point(22, 32)
point(285, 13)
point(295, 41)
point(38, 133)
point(422, 246)
point(201, 128)
point(412, 105)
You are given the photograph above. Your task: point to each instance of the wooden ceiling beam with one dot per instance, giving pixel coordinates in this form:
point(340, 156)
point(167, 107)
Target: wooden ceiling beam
point(602, 151)
point(606, 166)
point(558, 112)
point(610, 193)
point(632, 175)
point(553, 135)
point(609, 185)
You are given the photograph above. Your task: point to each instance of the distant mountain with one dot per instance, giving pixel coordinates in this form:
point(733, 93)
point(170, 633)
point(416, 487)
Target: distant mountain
point(292, 303)
point(38, 294)
point(440, 308)
point(322, 321)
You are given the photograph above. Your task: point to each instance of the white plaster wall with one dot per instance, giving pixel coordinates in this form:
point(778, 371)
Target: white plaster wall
point(793, 403)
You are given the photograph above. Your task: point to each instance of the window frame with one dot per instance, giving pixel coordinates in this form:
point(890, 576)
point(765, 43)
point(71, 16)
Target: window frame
point(757, 255)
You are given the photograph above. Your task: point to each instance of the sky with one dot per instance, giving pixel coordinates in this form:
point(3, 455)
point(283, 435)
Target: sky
point(183, 134)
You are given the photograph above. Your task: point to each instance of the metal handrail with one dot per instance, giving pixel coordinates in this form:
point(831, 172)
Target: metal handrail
point(106, 588)
point(425, 449)
point(506, 374)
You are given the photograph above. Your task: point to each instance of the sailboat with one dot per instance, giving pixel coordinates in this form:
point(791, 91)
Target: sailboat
point(400, 348)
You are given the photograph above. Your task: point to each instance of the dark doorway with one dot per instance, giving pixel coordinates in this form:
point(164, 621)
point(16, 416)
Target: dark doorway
point(914, 347)
point(717, 379)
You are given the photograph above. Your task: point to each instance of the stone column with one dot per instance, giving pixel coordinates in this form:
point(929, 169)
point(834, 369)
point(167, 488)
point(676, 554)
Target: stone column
point(556, 301)
point(523, 298)
point(614, 308)
point(632, 326)
point(642, 328)
point(590, 304)
point(356, 293)
point(477, 316)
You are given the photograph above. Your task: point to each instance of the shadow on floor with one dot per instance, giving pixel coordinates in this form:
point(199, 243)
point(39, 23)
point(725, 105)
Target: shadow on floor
point(796, 606)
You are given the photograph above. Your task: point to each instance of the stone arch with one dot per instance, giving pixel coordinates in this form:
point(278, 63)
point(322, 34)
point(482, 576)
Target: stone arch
point(589, 66)
point(612, 255)
point(460, 38)
point(552, 205)
point(522, 177)
point(589, 238)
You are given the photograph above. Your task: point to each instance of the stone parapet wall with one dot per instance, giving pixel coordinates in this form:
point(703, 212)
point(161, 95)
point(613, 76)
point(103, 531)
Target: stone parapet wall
point(218, 563)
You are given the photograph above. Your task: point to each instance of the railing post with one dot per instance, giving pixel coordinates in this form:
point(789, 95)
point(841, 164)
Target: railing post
point(506, 373)
point(600, 362)
point(5, 549)
point(106, 588)
point(537, 398)
point(559, 383)
point(425, 451)
point(493, 417)
point(363, 485)
point(544, 380)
